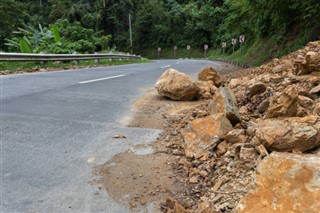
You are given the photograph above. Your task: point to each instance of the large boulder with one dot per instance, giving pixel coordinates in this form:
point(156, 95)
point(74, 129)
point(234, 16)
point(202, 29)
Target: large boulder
point(288, 134)
point(224, 101)
point(285, 182)
point(177, 86)
point(203, 133)
point(209, 74)
point(284, 104)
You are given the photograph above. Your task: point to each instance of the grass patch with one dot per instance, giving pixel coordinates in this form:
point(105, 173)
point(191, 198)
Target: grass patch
point(25, 67)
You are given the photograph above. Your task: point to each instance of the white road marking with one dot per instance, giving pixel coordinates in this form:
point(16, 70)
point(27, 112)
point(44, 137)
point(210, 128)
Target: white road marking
point(165, 66)
point(101, 79)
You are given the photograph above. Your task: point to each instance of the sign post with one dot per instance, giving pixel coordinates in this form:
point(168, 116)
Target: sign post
point(224, 45)
point(241, 40)
point(188, 49)
point(175, 51)
point(130, 34)
point(159, 50)
point(234, 42)
point(206, 47)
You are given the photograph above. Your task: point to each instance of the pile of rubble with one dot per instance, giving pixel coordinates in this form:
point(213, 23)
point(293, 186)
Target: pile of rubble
point(254, 145)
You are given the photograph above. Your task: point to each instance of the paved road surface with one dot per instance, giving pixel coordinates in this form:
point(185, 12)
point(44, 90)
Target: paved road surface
point(56, 126)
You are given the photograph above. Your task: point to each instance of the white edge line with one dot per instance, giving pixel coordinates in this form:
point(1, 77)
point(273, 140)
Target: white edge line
point(101, 79)
point(165, 66)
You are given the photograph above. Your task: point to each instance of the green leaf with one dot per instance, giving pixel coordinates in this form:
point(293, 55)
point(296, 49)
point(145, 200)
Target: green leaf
point(25, 47)
point(56, 34)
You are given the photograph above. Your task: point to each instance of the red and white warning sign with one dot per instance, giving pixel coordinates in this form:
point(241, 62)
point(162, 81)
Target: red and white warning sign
point(241, 39)
point(234, 41)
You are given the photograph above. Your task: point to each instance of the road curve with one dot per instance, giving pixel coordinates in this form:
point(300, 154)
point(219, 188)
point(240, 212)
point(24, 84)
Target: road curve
point(56, 126)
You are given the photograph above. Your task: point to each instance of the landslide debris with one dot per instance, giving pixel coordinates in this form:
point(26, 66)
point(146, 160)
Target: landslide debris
point(253, 145)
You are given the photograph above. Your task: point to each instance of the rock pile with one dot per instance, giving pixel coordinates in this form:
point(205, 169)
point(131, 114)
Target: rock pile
point(250, 114)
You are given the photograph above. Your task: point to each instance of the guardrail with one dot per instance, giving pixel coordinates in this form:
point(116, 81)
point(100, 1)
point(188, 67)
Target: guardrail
point(233, 62)
point(62, 57)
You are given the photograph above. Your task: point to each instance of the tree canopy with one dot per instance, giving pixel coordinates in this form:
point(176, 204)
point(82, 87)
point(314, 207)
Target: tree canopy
point(167, 23)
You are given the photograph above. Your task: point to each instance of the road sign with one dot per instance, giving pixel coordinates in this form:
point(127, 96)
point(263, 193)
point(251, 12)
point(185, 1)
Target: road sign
point(175, 48)
point(224, 44)
point(188, 47)
point(234, 41)
point(159, 49)
point(241, 39)
point(206, 47)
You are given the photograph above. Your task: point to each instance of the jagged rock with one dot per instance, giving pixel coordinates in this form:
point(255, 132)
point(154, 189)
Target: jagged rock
point(308, 64)
point(177, 86)
point(207, 89)
point(235, 82)
point(224, 101)
point(284, 104)
point(174, 206)
point(247, 153)
point(199, 138)
point(278, 69)
point(276, 79)
point(222, 148)
point(262, 150)
point(255, 89)
point(315, 90)
point(251, 129)
point(236, 136)
point(285, 182)
point(313, 80)
point(209, 74)
point(287, 134)
point(305, 101)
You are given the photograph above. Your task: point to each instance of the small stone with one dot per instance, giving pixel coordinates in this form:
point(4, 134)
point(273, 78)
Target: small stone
point(235, 82)
point(222, 148)
point(315, 90)
point(203, 173)
point(217, 185)
point(119, 136)
point(262, 150)
point(247, 153)
point(194, 179)
point(263, 106)
point(278, 69)
point(255, 89)
point(236, 136)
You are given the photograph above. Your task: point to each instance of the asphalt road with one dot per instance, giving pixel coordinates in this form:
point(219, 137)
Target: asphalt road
point(56, 126)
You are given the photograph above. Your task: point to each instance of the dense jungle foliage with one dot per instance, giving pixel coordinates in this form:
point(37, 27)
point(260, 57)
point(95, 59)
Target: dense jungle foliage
point(272, 28)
